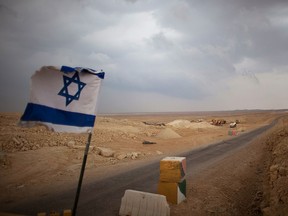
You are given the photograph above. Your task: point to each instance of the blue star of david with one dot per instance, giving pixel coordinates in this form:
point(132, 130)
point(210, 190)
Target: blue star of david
point(64, 91)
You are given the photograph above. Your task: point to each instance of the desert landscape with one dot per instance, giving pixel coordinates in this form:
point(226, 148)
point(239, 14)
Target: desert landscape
point(252, 181)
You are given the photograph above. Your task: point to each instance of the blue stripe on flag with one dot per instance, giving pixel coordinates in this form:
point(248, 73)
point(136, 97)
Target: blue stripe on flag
point(40, 113)
point(67, 69)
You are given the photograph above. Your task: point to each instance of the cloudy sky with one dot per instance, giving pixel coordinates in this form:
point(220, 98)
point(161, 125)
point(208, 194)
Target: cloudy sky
point(158, 55)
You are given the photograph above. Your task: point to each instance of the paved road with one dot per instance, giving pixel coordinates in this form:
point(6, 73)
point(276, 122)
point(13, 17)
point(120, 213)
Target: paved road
point(103, 198)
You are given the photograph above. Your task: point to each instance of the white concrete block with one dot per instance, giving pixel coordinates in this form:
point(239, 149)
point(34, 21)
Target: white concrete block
point(138, 203)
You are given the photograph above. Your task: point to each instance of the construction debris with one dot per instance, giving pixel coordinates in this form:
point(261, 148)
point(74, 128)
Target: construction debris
point(154, 123)
point(148, 142)
point(218, 122)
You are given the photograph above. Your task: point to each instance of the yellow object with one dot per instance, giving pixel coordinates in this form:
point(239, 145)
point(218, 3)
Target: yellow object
point(67, 212)
point(172, 182)
point(175, 192)
point(172, 169)
point(54, 214)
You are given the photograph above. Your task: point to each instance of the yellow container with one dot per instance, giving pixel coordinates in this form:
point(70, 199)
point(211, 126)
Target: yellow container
point(175, 192)
point(172, 169)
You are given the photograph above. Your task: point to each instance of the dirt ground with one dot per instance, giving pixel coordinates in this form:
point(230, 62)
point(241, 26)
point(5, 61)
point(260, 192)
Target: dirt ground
point(34, 160)
point(252, 181)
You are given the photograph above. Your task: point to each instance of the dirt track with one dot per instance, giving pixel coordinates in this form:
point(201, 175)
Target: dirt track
point(56, 176)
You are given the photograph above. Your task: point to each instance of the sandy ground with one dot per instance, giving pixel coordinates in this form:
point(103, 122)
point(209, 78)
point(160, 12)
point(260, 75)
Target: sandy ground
point(35, 161)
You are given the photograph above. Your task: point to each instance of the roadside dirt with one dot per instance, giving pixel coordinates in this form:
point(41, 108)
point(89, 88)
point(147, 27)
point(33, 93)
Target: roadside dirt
point(35, 161)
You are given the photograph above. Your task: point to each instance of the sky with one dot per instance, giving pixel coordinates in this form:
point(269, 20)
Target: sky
point(158, 55)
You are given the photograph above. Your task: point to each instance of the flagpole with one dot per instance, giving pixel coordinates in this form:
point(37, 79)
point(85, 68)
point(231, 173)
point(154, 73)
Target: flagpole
point(81, 174)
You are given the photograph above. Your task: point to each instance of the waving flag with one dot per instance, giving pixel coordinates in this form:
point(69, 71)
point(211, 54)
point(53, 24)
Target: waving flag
point(63, 99)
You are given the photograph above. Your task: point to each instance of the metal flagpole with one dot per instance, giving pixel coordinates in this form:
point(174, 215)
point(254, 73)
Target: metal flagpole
point(81, 174)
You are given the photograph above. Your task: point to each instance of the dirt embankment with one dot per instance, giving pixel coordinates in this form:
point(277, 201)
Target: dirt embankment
point(275, 196)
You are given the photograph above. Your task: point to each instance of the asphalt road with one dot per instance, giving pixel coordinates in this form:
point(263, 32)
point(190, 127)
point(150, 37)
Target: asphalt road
point(103, 198)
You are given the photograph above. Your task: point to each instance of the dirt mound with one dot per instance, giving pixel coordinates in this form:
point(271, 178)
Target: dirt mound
point(180, 123)
point(201, 125)
point(187, 124)
point(168, 133)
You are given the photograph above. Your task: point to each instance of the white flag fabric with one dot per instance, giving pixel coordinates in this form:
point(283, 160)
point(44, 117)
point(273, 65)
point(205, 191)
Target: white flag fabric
point(63, 99)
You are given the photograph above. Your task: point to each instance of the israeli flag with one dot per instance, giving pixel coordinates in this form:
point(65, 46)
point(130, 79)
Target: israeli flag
point(63, 99)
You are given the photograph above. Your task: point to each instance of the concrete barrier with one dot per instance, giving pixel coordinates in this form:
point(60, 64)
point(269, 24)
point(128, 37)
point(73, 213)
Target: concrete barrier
point(175, 192)
point(137, 203)
point(172, 182)
point(172, 169)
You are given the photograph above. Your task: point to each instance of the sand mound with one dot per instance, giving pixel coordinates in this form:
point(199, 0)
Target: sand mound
point(180, 123)
point(201, 125)
point(188, 124)
point(168, 133)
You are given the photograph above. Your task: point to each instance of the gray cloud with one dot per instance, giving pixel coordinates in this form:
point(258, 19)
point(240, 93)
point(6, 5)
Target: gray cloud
point(184, 51)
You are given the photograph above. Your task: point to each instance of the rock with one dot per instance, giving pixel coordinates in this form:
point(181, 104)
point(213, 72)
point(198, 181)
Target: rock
point(159, 152)
point(132, 136)
point(134, 155)
point(283, 171)
point(148, 134)
point(71, 144)
point(120, 156)
point(106, 152)
point(273, 177)
point(96, 150)
point(24, 149)
point(274, 168)
point(16, 141)
point(24, 141)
